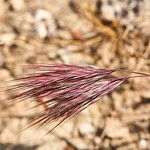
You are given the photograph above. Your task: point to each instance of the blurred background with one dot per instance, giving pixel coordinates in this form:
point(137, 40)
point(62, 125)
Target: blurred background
point(102, 33)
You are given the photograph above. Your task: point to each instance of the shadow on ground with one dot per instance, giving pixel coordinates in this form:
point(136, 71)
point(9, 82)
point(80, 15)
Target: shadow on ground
point(9, 146)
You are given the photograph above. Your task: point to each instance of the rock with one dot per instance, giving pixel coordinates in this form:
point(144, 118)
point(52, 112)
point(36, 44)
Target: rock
point(115, 129)
point(19, 5)
point(64, 34)
point(53, 145)
point(4, 75)
point(106, 53)
point(80, 144)
point(35, 136)
point(45, 24)
point(3, 11)
point(7, 38)
point(75, 58)
point(117, 100)
point(10, 132)
point(108, 12)
point(52, 52)
point(86, 129)
point(65, 130)
point(143, 144)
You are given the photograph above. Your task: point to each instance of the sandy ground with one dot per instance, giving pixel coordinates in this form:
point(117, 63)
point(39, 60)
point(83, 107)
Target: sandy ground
point(106, 34)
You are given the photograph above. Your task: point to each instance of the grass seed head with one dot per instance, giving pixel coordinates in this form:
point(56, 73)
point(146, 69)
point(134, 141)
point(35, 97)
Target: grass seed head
point(65, 90)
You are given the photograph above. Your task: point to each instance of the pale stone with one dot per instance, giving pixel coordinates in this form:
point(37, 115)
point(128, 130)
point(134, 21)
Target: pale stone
point(86, 129)
point(115, 129)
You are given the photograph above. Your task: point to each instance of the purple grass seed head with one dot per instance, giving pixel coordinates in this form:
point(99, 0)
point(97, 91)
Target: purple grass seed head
point(66, 90)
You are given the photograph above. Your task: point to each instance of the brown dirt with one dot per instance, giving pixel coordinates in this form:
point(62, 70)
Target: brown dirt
point(78, 33)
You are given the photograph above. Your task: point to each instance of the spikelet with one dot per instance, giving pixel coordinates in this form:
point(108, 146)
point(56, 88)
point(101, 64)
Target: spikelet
point(65, 90)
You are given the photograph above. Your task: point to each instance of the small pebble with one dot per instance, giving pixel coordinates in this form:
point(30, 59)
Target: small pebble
point(45, 24)
point(86, 129)
point(19, 5)
point(143, 144)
